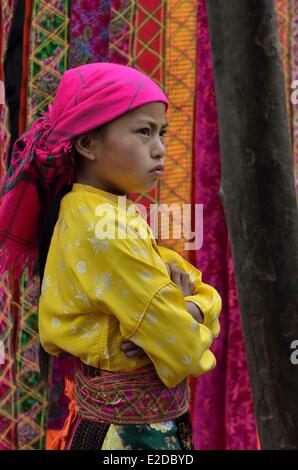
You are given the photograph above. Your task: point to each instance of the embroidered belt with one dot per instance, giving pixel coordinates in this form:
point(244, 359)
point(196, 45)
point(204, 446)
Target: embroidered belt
point(136, 397)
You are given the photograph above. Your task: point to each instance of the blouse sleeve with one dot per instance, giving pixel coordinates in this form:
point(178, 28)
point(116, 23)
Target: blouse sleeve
point(205, 296)
point(122, 277)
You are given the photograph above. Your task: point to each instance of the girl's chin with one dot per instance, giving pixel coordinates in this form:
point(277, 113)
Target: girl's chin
point(146, 188)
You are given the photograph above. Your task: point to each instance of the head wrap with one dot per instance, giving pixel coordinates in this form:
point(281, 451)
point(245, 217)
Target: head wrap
point(42, 160)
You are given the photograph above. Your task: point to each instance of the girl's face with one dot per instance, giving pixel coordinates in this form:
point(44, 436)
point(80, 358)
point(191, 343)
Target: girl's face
point(122, 160)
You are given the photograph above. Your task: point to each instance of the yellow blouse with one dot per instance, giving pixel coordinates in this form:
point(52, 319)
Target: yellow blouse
point(99, 289)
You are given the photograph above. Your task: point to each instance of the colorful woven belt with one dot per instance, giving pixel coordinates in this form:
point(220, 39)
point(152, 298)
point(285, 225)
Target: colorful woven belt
point(136, 397)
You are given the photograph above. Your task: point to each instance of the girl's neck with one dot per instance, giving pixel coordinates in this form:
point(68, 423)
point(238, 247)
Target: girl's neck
point(98, 184)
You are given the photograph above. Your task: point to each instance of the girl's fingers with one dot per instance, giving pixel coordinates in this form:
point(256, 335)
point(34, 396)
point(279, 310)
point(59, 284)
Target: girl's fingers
point(176, 276)
point(168, 266)
point(128, 346)
point(185, 283)
point(137, 353)
point(131, 350)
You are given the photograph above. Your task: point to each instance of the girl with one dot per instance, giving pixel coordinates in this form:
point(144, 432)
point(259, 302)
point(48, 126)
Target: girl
point(135, 315)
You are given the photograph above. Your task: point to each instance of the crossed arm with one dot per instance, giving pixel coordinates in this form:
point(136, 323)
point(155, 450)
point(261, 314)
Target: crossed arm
point(182, 280)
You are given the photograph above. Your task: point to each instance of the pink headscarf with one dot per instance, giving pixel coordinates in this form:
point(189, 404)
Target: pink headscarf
point(42, 161)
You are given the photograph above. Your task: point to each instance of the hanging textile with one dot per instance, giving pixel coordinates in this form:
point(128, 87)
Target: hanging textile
point(147, 55)
point(294, 76)
point(8, 435)
point(89, 32)
point(47, 61)
point(287, 22)
point(121, 31)
point(180, 86)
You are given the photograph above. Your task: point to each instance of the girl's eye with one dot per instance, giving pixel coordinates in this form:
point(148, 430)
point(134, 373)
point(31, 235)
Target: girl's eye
point(146, 131)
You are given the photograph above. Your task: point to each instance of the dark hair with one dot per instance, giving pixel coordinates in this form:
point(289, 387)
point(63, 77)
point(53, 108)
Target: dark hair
point(44, 244)
point(47, 229)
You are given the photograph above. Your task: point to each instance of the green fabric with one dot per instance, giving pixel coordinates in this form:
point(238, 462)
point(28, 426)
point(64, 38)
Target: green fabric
point(148, 436)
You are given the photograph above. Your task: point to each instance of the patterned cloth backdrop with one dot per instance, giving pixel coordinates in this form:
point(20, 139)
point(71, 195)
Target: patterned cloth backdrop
point(7, 369)
point(146, 54)
point(180, 86)
point(294, 76)
point(7, 8)
point(121, 29)
point(47, 61)
point(284, 28)
point(89, 32)
point(287, 20)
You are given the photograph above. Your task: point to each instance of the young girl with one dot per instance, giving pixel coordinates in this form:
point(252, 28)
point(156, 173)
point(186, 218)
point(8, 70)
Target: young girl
point(136, 316)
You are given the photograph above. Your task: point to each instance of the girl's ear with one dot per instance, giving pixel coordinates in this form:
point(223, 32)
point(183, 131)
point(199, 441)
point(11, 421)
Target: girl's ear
point(84, 146)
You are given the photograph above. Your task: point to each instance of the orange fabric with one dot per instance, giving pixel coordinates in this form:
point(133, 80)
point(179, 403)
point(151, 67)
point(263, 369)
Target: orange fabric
point(61, 439)
point(258, 443)
point(51, 435)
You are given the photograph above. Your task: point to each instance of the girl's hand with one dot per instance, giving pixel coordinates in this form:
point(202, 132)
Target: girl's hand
point(131, 350)
point(181, 279)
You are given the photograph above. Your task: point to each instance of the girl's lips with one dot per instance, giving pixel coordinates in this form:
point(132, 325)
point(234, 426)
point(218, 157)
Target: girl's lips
point(157, 172)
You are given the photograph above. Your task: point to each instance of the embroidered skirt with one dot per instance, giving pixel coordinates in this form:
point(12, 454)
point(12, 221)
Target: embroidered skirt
point(169, 435)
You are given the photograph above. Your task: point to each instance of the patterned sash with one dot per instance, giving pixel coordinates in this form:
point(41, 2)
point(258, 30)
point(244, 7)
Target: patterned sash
point(137, 397)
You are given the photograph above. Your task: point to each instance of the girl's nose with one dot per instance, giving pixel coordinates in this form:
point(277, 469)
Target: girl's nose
point(159, 150)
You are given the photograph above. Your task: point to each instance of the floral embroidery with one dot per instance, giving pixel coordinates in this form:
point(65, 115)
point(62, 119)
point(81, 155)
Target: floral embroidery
point(83, 297)
point(146, 275)
point(91, 226)
point(56, 323)
point(84, 210)
point(172, 339)
point(105, 283)
point(100, 246)
point(187, 360)
point(162, 427)
point(151, 318)
point(87, 332)
point(46, 284)
point(124, 292)
point(81, 267)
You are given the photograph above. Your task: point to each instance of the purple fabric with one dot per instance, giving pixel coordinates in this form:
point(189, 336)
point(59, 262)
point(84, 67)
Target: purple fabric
point(89, 32)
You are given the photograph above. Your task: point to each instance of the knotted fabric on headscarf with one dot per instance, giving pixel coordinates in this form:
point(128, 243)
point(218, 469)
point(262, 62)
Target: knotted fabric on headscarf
point(42, 161)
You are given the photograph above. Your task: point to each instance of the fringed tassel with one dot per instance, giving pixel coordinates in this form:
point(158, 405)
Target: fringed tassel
point(14, 257)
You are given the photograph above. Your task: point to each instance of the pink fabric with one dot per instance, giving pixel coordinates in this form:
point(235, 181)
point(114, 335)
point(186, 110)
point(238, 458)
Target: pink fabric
point(93, 94)
point(223, 415)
